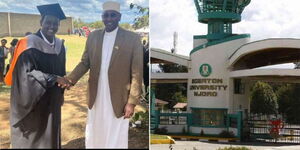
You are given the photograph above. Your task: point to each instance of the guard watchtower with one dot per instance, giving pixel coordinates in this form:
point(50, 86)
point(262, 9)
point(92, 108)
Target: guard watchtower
point(220, 15)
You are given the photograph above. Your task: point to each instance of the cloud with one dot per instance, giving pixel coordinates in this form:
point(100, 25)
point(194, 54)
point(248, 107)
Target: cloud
point(139, 2)
point(3, 5)
point(262, 19)
point(270, 19)
point(87, 10)
point(169, 16)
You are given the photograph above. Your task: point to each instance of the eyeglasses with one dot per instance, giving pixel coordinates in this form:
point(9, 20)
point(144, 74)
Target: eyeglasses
point(111, 15)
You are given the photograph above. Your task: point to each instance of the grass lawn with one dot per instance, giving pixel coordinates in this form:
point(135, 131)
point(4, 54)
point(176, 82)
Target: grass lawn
point(75, 47)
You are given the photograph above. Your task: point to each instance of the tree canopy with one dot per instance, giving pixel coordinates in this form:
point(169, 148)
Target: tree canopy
point(78, 23)
point(142, 16)
point(263, 100)
point(172, 92)
point(141, 19)
point(289, 102)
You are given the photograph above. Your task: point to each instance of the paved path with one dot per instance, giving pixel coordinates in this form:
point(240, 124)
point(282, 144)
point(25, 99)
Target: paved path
point(196, 145)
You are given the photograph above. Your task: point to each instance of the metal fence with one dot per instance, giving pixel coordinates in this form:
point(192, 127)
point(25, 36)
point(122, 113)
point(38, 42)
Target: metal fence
point(268, 128)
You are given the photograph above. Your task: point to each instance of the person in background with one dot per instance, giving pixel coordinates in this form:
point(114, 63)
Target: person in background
point(13, 44)
point(27, 33)
point(146, 64)
point(87, 32)
point(79, 32)
point(3, 56)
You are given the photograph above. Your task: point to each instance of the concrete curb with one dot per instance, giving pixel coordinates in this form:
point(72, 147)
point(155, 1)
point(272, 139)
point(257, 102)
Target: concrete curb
point(218, 140)
point(163, 141)
point(205, 139)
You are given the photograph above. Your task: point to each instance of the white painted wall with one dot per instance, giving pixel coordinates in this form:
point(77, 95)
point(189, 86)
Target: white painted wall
point(174, 128)
point(264, 45)
point(217, 57)
point(197, 130)
point(239, 102)
point(234, 130)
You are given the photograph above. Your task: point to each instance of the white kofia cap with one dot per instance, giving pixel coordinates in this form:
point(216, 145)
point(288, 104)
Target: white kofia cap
point(111, 5)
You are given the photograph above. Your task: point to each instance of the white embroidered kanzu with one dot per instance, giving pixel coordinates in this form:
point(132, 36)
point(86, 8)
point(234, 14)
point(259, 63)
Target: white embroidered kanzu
point(103, 129)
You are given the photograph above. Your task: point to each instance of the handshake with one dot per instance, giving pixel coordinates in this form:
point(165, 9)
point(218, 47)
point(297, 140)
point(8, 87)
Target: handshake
point(64, 82)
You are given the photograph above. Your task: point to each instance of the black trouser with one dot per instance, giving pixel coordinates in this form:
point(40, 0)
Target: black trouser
point(1, 70)
point(7, 68)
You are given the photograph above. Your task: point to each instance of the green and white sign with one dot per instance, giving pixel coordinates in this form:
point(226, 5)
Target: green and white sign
point(205, 70)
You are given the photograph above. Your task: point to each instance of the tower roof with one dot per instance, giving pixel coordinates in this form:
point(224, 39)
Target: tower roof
point(225, 10)
point(220, 15)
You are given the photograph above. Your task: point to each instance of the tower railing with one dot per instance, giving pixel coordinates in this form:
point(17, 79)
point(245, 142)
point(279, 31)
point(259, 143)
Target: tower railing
point(220, 15)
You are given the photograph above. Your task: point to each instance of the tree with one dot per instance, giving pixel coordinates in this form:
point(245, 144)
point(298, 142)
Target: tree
point(289, 102)
point(172, 68)
point(141, 22)
point(97, 25)
point(126, 26)
point(285, 99)
point(179, 97)
point(78, 23)
point(171, 92)
point(263, 100)
point(142, 16)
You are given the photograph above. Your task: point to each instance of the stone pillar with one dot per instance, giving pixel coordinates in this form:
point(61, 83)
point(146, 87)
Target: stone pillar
point(8, 22)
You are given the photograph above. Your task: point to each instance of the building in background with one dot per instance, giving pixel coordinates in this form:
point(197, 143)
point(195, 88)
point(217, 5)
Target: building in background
point(17, 24)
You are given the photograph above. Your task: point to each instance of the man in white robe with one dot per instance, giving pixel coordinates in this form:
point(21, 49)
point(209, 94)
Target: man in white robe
point(114, 57)
point(103, 129)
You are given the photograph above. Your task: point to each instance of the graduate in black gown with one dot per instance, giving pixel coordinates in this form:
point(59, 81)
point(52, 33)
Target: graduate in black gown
point(36, 72)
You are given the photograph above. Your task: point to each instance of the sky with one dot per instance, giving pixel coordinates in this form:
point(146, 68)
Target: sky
point(86, 10)
point(261, 18)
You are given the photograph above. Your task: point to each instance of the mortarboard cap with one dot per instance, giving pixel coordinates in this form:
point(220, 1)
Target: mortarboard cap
point(111, 5)
point(52, 10)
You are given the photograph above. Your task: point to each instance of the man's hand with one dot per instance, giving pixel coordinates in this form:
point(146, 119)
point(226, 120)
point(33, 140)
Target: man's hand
point(128, 110)
point(70, 81)
point(63, 82)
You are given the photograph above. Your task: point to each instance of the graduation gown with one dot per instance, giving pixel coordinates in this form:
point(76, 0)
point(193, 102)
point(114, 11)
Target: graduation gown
point(36, 100)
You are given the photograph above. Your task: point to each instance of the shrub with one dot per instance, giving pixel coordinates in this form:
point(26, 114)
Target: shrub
point(135, 117)
point(202, 132)
point(162, 130)
point(183, 130)
point(142, 116)
point(226, 134)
